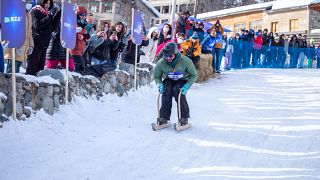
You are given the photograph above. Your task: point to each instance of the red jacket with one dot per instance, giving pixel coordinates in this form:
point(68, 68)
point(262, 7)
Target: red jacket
point(80, 44)
point(258, 42)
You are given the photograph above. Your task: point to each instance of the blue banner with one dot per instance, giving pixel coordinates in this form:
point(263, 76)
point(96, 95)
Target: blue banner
point(137, 27)
point(13, 22)
point(68, 25)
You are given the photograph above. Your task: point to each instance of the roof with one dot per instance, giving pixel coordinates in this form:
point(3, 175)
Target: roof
point(236, 10)
point(154, 10)
point(274, 5)
point(292, 4)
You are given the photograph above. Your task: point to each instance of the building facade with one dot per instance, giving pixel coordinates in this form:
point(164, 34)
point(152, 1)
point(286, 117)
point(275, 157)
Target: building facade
point(290, 16)
point(165, 9)
point(112, 11)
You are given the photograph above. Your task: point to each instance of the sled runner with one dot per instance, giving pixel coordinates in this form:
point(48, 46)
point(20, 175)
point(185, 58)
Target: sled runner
point(157, 126)
point(178, 126)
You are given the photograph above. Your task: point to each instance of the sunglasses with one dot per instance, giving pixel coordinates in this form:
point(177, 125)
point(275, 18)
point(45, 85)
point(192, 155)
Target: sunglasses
point(84, 15)
point(168, 56)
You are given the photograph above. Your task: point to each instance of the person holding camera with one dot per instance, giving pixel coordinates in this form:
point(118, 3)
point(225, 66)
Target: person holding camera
point(44, 18)
point(101, 53)
point(129, 52)
point(192, 49)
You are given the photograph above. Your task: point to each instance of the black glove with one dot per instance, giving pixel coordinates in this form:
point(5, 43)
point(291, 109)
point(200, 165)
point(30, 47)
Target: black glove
point(54, 11)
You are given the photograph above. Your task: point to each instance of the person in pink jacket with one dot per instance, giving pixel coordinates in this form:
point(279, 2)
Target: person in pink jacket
point(257, 46)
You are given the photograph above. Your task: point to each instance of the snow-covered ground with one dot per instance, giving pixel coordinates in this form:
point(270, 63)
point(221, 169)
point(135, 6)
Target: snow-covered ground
point(250, 124)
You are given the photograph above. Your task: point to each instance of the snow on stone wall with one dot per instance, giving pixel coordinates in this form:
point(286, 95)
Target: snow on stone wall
point(47, 92)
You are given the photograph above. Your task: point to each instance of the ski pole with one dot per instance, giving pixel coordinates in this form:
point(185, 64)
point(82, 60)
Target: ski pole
point(179, 108)
point(158, 107)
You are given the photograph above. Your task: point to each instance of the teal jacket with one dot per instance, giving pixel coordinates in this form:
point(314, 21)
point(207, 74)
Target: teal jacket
point(180, 64)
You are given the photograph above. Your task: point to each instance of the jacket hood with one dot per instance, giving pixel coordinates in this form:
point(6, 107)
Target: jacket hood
point(152, 30)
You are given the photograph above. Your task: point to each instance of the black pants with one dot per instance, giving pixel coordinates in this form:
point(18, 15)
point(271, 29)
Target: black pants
point(36, 60)
point(172, 89)
point(79, 63)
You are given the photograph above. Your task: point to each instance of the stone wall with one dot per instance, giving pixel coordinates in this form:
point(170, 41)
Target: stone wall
point(47, 93)
point(314, 22)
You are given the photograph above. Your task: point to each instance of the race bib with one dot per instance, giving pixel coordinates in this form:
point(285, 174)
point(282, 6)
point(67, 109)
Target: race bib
point(175, 75)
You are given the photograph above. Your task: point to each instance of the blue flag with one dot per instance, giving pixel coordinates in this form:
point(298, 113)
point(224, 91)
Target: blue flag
point(13, 22)
point(137, 27)
point(68, 25)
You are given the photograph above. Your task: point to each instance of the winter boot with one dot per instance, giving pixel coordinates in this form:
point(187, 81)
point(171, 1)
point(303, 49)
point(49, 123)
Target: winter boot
point(162, 121)
point(183, 121)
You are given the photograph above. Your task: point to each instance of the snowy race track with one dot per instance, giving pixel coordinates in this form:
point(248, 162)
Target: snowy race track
point(250, 124)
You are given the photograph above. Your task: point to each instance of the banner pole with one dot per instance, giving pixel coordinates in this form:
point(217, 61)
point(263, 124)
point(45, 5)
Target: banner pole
point(14, 95)
point(135, 68)
point(67, 76)
point(173, 11)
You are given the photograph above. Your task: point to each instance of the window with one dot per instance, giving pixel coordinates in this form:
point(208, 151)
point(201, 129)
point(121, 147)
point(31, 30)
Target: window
point(157, 21)
point(94, 6)
point(294, 25)
point(118, 8)
point(157, 8)
point(183, 7)
point(274, 26)
point(239, 26)
point(191, 8)
point(165, 9)
point(256, 25)
point(164, 21)
point(107, 7)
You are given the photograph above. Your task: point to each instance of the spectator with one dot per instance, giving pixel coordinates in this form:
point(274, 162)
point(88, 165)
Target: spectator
point(318, 56)
point(106, 27)
point(56, 54)
point(311, 52)
point(192, 49)
point(120, 30)
point(265, 47)
point(82, 37)
point(129, 52)
point(23, 52)
point(303, 44)
point(272, 51)
point(179, 40)
point(294, 51)
point(104, 45)
point(208, 43)
point(43, 17)
point(150, 50)
point(89, 27)
point(182, 23)
point(279, 51)
point(200, 31)
point(165, 34)
point(257, 46)
point(236, 52)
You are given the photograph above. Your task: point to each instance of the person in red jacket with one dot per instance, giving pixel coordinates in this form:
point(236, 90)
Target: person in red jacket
point(257, 46)
point(82, 37)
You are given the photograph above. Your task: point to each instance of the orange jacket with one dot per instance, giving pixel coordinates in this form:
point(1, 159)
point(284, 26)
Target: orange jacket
point(188, 44)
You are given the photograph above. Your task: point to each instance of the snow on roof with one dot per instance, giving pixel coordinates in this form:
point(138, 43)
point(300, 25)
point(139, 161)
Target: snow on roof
point(156, 12)
point(276, 5)
point(287, 4)
point(241, 9)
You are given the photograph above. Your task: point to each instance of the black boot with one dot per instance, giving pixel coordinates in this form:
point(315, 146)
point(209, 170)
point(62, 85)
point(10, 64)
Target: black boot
point(183, 121)
point(162, 121)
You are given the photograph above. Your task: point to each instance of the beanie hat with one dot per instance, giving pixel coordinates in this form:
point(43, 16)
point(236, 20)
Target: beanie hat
point(195, 36)
point(170, 49)
point(81, 10)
